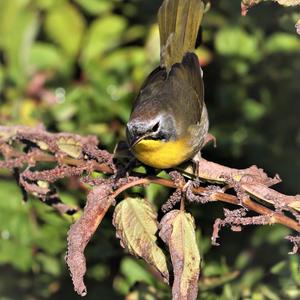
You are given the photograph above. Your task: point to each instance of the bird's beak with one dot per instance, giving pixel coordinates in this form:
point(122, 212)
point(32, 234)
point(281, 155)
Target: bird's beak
point(137, 140)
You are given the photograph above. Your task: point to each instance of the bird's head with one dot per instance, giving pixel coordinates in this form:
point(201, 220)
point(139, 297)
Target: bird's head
point(160, 127)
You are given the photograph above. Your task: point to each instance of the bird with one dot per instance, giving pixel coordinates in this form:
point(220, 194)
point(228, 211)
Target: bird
point(168, 124)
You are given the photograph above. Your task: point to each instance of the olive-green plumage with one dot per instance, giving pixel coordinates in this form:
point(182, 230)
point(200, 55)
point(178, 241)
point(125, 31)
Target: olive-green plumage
point(179, 22)
point(170, 110)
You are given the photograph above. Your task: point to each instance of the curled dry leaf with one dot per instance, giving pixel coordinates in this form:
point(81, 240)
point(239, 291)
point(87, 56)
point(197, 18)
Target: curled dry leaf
point(178, 232)
point(136, 225)
point(98, 202)
point(296, 241)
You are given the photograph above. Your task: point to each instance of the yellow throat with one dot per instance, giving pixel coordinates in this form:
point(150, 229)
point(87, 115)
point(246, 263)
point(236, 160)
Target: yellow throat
point(162, 155)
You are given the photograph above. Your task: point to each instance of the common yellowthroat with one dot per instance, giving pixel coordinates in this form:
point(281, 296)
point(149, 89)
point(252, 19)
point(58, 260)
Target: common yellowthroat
point(169, 121)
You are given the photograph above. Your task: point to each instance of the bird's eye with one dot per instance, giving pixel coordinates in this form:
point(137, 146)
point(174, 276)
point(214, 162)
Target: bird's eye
point(155, 127)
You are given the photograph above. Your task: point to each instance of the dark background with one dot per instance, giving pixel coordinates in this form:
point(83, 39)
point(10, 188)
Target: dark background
point(76, 66)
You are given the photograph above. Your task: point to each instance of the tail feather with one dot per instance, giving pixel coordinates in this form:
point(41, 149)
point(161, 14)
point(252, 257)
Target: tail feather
point(179, 22)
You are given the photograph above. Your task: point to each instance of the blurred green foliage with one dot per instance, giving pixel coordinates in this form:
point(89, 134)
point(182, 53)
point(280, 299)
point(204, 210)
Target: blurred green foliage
point(76, 66)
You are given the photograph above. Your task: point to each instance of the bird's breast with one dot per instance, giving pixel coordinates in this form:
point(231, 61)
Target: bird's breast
point(162, 155)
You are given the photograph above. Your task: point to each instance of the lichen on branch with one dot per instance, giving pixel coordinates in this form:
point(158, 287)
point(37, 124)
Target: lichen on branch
point(38, 159)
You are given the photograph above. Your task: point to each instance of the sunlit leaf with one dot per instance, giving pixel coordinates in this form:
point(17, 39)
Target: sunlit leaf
point(42, 145)
point(9, 11)
point(135, 221)
point(27, 111)
point(70, 146)
point(47, 4)
point(103, 34)
point(212, 282)
point(65, 26)
point(178, 232)
point(268, 292)
point(288, 2)
point(18, 27)
point(278, 267)
point(95, 7)
point(282, 42)
point(134, 271)
point(234, 41)
point(45, 56)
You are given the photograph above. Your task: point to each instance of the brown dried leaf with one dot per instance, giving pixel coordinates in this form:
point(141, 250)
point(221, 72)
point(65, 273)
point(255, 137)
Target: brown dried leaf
point(70, 146)
point(178, 232)
point(246, 4)
point(288, 2)
point(98, 202)
point(136, 225)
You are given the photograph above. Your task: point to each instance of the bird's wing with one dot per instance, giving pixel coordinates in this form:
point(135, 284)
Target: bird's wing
point(189, 71)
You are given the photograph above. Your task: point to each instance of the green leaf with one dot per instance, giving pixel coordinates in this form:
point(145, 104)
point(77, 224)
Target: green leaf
point(103, 34)
point(65, 26)
point(252, 277)
point(268, 292)
point(18, 27)
point(49, 264)
point(1, 78)
point(212, 282)
point(253, 110)
point(95, 7)
point(45, 56)
point(136, 225)
point(233, 41)
point(143, 292)
point(16, 231)
point(178, 232)
point(9, 12)
point(134, 272)
point(279, 267)
point(47, 4)
point(282, 42)
point(294, 267)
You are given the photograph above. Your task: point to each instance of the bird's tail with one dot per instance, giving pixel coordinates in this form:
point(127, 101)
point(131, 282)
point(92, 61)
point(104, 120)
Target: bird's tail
point(179, 22)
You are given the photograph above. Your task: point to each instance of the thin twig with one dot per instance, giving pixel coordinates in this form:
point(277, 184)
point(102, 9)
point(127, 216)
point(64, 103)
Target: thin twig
point(13, 157)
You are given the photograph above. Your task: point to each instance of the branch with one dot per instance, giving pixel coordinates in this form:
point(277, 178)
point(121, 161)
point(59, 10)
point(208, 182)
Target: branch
point(48, 147)
point(67, 155)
